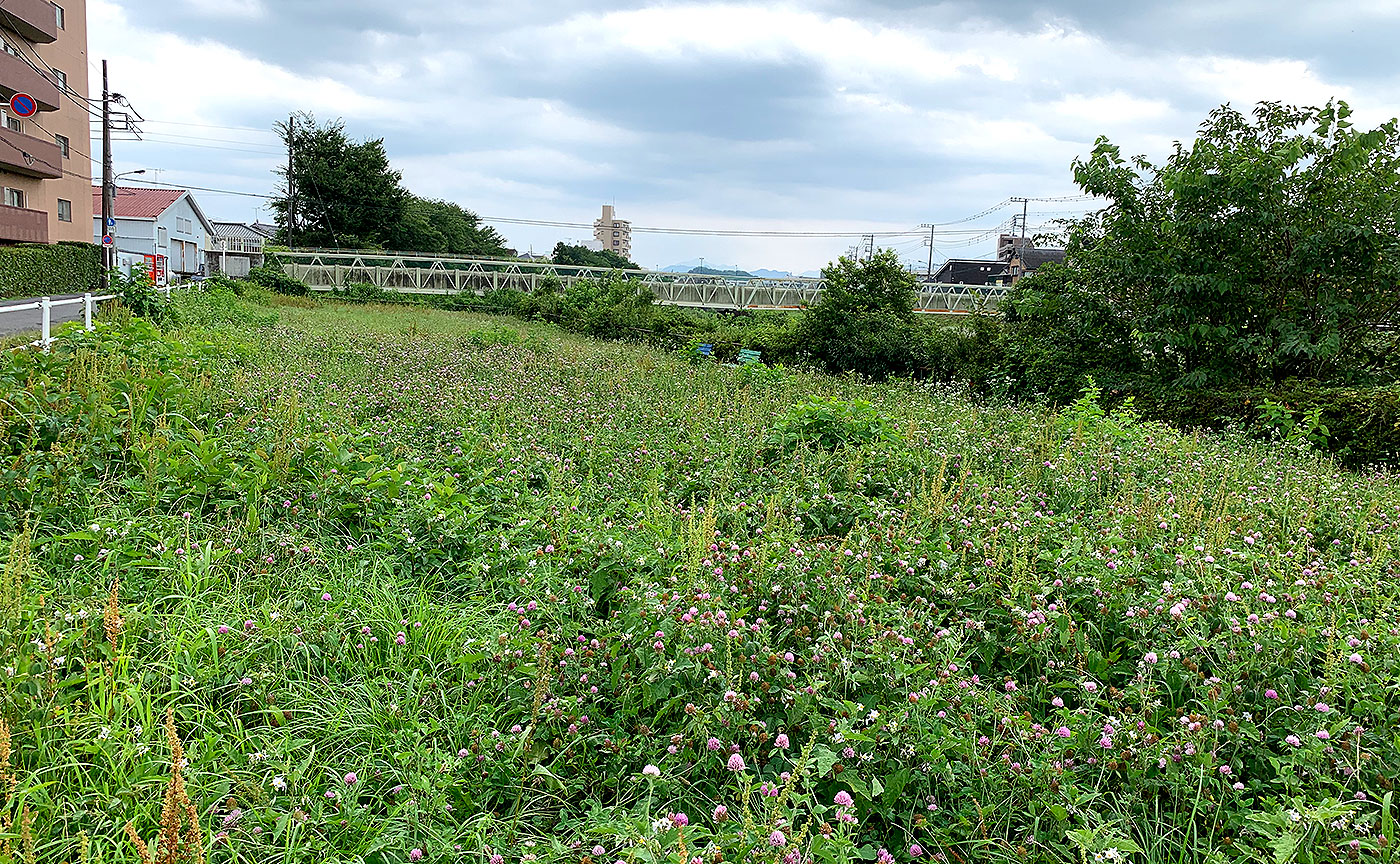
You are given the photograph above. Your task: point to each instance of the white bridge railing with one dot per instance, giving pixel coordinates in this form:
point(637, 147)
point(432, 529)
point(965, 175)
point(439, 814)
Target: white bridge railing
point(428, 274)
point(46, 305)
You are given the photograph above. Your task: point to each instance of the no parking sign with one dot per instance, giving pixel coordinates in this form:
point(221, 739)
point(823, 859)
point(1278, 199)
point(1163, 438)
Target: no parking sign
point(24, 105)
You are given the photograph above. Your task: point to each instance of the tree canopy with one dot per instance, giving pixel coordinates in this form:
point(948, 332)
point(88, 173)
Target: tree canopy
point(1268, 248)
point(863, 319)
point(345, 193)
point(582, 256)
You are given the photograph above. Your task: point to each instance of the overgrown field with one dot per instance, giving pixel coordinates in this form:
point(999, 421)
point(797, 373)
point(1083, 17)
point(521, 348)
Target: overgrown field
point(416, 585)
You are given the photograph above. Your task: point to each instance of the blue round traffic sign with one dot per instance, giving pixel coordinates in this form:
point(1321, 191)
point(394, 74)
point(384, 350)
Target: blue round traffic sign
point(106, 239)
point(24, 105)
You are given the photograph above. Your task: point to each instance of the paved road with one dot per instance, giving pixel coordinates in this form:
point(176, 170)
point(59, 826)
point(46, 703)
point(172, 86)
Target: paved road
point(12, 323)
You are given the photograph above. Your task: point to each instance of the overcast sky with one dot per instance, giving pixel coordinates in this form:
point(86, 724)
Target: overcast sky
point(825, 115)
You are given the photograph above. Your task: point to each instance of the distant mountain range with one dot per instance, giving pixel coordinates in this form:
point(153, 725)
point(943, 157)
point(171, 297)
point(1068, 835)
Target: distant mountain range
point(693, 267)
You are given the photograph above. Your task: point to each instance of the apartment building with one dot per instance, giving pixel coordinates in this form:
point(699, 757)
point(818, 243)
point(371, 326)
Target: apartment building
point(613, 234)
point(45, 172)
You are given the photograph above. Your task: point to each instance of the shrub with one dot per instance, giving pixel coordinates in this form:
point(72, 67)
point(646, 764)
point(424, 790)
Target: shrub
point(861, 321)
point(830, 424)
point(1360, 425)
point(274, 279)
point(139, 295)
point(33, 270)
point(1059, 332)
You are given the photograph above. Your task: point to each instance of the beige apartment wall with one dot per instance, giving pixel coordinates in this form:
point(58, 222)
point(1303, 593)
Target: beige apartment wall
point(69, 55)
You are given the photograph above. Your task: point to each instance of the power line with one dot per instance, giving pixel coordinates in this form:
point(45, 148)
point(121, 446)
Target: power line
point(181, 186)
point(52, 72)
point(149, 138)
point(701, 231)
point(215, 140)
point(209, 126)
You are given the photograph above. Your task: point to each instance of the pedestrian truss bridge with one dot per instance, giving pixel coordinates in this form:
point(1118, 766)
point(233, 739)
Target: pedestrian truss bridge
point(425, 274)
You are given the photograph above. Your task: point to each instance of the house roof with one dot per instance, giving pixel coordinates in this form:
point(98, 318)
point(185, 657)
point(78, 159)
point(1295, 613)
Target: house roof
point(1032, 259)
point(268, 231)
point(236, 231)
point(138, 203)
point(147, 203)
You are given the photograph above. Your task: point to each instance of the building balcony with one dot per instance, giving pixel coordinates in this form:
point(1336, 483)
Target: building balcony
point(18, 225)
point(35, 20)
point(32, 157)
point(17, 76)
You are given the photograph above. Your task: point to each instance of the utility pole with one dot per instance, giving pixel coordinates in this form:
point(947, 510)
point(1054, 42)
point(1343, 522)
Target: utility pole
point(929, 226)
point(291, 182)
point(109, 192)
point(1025, 213)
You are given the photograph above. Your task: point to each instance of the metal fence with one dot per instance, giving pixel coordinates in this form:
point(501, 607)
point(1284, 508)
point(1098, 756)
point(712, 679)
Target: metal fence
point(46, 305)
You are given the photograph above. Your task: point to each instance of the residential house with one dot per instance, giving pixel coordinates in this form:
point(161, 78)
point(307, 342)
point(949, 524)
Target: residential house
point(1016, 257)
point(44, 166)
point(1023, 257)
point(234, 249)
point(968, 271)
point(164, 226)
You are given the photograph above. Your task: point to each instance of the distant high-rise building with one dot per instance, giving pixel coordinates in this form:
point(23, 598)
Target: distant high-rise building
point(613, 234)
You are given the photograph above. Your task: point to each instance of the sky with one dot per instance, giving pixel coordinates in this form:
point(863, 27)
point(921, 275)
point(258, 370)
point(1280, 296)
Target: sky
point(827, 116)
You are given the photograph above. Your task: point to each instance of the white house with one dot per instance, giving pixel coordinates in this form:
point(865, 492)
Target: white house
point(235, 249)
point(163, 226)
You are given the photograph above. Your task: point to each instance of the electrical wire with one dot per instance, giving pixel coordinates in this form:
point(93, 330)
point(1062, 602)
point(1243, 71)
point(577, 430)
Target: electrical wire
point(52, 72)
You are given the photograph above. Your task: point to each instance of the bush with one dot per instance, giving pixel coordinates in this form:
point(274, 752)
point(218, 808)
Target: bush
point(1360, 425)
point(139, 295)
point(964, 350)
point(274, 279)
point(364, 292)
point(33, 270)
point(830, 424)
point(861, 322)
point(1059, 333)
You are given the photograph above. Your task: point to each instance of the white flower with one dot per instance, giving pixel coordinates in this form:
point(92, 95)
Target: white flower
point(279, 783)
point(105, 733)
point(651, 771)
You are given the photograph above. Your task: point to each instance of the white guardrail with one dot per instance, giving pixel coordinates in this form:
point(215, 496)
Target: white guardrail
point(46, 305)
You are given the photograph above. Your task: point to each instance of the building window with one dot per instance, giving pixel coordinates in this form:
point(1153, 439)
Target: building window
point(184, 226)
point(65, 210)
point(14, 197)
point(12, 50)
point(58, 15)
point(62, 141)
point(12, 123)
point(62, 78)
point(163, 236)
point(617, 233)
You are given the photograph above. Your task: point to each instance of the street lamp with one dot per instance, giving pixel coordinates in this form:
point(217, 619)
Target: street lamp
point(109, 196)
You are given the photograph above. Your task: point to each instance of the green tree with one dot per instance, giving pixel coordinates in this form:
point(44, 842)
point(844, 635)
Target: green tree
point(345, 194)
point(1268, 248)
point(864, 318)
point(445, 228)
point(1057, 332)
point(338, 192)
point(581, 256)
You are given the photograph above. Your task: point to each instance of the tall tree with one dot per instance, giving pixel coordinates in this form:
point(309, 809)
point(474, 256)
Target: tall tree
point(1267, 248)
point(346, 193)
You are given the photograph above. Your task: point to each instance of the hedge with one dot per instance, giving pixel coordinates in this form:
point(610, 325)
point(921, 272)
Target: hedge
point(1363, 423)
point(34, 270)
